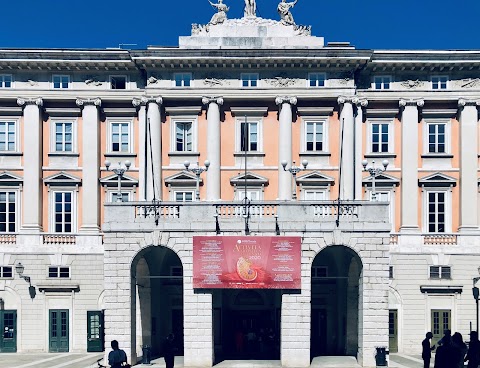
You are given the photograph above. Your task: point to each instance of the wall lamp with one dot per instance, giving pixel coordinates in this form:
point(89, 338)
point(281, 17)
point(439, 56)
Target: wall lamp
point(31, 289)
point(294, 170)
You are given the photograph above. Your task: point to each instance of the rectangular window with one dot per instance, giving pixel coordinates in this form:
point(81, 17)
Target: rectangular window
point(64, 137)
point(182, 79)
point(436, 138)
point(61, 81)
point(380, 138)
point(63, 212)
point(6, 272)
point(440, 272)
point(439, 82)
point(183, 137)
point(316, 79)
point(314, 136)
point(249, 137)
point(249, 80)
point(118, 82)
point(8, 136)
point(5, 81)
point(120, 137)
point(184, 196)
point(8, 209)
point(315, 195)
point(251, 194)
point(382, 82)
point(125, 196)
point(436, 212)
point(55, 272)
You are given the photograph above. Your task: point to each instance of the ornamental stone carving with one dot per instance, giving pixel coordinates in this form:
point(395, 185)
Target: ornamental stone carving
point(412, 84)
point(286, 16)
point(468, 83)
point(32, 82)
point(417, 103)
point(29, 101)
point(360, 102)
point(279, 100)
point(346, 99)
point(207, 100)
point(89, 102)
point(281, 82)
point(214, 82)
point(221, 15)
point(462, 102)
point(250, 9)
point(93, 81)
point(144, 100)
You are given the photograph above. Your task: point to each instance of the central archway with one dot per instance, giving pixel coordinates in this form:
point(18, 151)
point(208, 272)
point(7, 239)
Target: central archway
point(336, 274)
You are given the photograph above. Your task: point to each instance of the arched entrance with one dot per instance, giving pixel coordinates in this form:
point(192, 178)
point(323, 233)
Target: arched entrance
point(336, 274)
point(158, 310)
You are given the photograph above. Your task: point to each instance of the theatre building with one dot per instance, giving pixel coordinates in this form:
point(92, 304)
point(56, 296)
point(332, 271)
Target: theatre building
point(218, 191)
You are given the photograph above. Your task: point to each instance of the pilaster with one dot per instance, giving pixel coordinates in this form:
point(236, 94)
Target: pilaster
point(153, 150)
point(347, 144)
point(32, 167)
point(361, 104)
point(141, 105)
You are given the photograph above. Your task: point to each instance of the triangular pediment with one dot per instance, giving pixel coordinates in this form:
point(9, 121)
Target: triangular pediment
point(381, 180)
point(315, 178)
point(183, 179)
point(8, 178)
point(251, 178)
point(62, 178)
point(112, 180)
point(437, 180)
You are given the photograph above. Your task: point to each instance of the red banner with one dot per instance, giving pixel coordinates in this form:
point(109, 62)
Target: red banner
point(246, 262)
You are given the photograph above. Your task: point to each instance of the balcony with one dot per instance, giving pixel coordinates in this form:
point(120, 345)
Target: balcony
point(57, 241)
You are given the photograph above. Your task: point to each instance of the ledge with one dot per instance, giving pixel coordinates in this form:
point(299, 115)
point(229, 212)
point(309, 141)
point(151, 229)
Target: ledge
point(183, 154)
point(10, 153)
point(319, 154)
point(377, 155)
point(441, 289)
point(120, 154)
point(64, 154)
point(58, 288)
point(437, 155)
point(249, 154)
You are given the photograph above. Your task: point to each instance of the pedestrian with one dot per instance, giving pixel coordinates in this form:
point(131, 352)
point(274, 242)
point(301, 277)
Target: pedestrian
point(446, 356)
point(117, 357)
point(473, 354)
point(447, 334)
point(461, 349)
point(427, 350)
point(169, 351)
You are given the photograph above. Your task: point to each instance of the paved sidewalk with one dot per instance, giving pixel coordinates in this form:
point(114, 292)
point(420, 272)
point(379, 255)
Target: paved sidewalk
point(49, 360)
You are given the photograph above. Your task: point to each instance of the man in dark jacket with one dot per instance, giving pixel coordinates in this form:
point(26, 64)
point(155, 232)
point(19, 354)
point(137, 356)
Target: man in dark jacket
point(169, 351)
point(427, 350)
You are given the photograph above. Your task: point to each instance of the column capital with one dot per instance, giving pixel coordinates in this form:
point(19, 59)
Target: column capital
point(347, 99)
point(359, 101)
point(97, 102)
point(462, 102)
point(208, 100)
point(418, 103)
point(144, 100)
point(29, 101)
point(292, 100)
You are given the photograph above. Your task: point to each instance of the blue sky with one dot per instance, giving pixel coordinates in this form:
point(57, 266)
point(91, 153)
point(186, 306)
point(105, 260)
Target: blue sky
point(377, 24)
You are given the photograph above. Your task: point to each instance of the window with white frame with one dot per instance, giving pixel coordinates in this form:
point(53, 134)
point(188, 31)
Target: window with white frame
point(6, 272)
point(249, 136)
point(8, 211)
point(249, 80)
point(118, 82)
point(183, 136)
point(315, 194)
point(184, 195)
point(58, 272)
point(382, 82)
point(314, 136)
point(436, 211)
point(380, 137)
point(6, 81)
point(120, 137)
point(113, 196)
point(8, 136)
point(182, 79)
point(440, 272)
point(61, 81)
point(63, 212)
point(63, 136)
point(251, 194)
point(437, 137)
point(439, 82)
point(316, 80)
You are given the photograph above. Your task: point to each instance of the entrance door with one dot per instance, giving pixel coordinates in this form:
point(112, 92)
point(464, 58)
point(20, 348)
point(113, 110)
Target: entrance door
point(319, 332)
point(95, 335)
point(8, 326)
point(58, 341)
point(440, 322)
point(393, 330)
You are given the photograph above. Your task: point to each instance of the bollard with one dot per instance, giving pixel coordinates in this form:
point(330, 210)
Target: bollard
point(381, 356)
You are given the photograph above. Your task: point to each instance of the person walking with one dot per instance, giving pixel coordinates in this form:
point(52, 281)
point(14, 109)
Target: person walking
point(169, 351)
point(117, 357)
point(427, 350)
point(473, 354)
point(446, 356)
point(460, 347)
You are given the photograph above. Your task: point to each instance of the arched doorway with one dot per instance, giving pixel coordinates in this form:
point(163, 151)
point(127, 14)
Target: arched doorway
point(336, 274)
point(158, 310)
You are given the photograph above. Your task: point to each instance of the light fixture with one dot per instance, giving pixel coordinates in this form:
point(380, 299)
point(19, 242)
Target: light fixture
point(19, 267)
point(374, 172)
point(197, 171)
point(119, 171)
point(294, 170)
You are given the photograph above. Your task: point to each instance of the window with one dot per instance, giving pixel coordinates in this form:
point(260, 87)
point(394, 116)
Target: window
point(315, 195)
point(63, 204)
point(440, 272)
point(380, 138)
point(316, 79)
point(436, 212)
point(118, 82)
point(436, 138)
point(314, 136)
point(184, 195)
point(251, 194)
point(319, 272)
point(249, 79)
point(182, 79)
point(382, 82)
point(55, 272)
point(8, 136)
point(63, 137)
point(6, 272)
point(249, 136)
point(120, 137)
point(8, 212)
point(124, 195)
point(390, 272)
point(61, 81)
point(439, 82)
point(441, 321)
point(5, 81)
point(183, 137)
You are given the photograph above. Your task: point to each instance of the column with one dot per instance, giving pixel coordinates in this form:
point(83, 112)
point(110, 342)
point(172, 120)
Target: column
point(90, 164)
point(285, 118)
point(142, 146)
point(361, 104)
point(32, 164)
point(154, 149)
point(347, 164)
point(409, 187)
point(468, 118)
point(213, 147)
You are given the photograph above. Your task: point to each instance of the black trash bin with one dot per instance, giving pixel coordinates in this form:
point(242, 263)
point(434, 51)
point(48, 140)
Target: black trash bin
point(381, 356)
point(147, 354)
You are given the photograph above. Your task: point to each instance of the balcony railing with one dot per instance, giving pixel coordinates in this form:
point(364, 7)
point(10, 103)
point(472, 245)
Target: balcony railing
point(426, 239)
point(440, 239)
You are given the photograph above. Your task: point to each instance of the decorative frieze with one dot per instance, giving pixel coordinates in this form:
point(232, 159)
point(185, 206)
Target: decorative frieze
point(413, 84)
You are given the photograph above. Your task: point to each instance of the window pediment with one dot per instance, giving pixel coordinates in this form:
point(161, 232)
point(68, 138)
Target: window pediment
point(112, 181)
point(183, 179)
point(315, 178)
point(437, 180)
point(382, 180)
point(253, 180)
point(62, 179)
point(8, 178)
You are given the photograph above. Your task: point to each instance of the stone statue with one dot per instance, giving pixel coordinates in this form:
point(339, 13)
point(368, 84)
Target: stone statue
point(221, 14)
point(285, 14)
point(250, 8)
